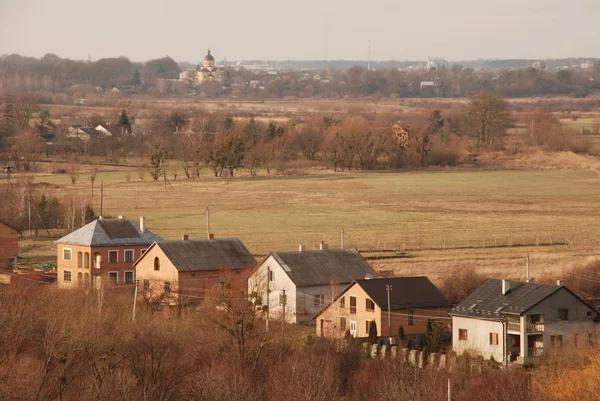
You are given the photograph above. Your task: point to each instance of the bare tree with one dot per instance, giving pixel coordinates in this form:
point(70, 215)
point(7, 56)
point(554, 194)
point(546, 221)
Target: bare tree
point(487, 119)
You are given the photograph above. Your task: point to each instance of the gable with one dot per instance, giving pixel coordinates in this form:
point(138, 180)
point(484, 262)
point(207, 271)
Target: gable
point(563, 299)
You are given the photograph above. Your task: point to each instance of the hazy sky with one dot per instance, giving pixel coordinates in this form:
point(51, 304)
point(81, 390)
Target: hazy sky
point(305, 29)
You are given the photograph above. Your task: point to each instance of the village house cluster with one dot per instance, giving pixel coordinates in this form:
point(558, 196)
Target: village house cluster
point(334, 289)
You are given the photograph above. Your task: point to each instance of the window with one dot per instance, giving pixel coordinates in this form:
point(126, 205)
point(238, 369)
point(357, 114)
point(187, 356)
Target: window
point(556, 341)
point(113, 256)
point(410, 317)
point(343, 323)
point(494, 340)
point(129, 255)
point(370, 305)
point(352, 304)
point(97, 260)
point(156, 264)
point(67, 275)
point(167, 286)
point(146, 284)
point(86, 280)
point(563, 314)
point(343, 302)
point(462, 335)
point(67, 254)
point(319, 300)
point(113, 278)
point(143, 251)
point(368, 325)
point(86, 260)
point(80, 259)
point(271, 275)
point(129, 277)
point(79, 279)
point(535, 318)
point(589, 314)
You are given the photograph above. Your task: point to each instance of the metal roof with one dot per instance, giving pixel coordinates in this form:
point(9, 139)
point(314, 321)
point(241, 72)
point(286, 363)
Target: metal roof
point(207, 254)
point(407, 292)
point(322, 267)
point(107, 232)
point(487, 301)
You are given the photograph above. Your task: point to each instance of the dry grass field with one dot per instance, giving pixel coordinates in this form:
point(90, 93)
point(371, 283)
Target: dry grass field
point(434, 219)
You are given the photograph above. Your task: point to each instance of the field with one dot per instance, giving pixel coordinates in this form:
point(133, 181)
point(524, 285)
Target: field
point(419, 222)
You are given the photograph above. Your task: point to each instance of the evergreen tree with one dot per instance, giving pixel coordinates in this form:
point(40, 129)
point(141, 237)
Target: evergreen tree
point(401, 336)
point(373, 333)
point(137, 78)
point(124, 121)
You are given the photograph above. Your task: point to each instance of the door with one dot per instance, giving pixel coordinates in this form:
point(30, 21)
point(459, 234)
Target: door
point(326, 328)
point(353, 328)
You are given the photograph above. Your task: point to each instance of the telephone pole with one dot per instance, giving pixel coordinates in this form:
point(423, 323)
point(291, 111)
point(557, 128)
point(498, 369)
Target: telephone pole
point(101, 197)
point(207, 222)
point(388, 289)
point(342, 235)
point(268, 295)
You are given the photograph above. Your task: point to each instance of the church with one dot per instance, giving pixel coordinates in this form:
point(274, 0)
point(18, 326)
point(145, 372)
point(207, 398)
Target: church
point(208, 72)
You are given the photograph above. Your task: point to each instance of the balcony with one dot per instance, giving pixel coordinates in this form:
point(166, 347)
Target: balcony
point(515, 327)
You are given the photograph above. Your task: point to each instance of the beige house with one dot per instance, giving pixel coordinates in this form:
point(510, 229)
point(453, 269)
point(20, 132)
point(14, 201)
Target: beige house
point(193, 271)
point(102, 252)
point(209, 72)
point(518, 322)
point(413, 301)
point(299, 284)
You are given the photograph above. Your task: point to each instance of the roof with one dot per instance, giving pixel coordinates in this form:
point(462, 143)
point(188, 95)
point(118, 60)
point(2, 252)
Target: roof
point(207, 254)
point(106, 232)
point(407, 292)
point(487, 301)
point(10, 226)
point(209, 57)
point(323, 267)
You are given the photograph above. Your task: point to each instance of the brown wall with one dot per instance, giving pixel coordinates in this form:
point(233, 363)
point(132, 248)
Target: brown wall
point(97, 276)
point(9, 245)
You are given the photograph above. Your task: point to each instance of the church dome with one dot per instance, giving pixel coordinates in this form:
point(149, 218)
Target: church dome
point(209, 57)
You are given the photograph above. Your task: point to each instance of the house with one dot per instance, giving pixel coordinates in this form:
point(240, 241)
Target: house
point(9, 245)
point(102, 252)
point(193, 271)
point(520, 321)
point(413, 300)
point(299, 284)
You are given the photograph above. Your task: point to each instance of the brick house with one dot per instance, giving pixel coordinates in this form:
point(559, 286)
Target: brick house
point(413, 301)
point(300, 283)
point(193, 271)
point(9, 245)
point(102, 252)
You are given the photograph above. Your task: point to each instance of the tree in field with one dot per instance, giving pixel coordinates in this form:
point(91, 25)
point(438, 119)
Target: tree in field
point(157, 161)
point(487, 119)
point(176, 120)
point(125, 121)
point(373, 332)
point(44, 123)
point(436, 336)
point(137, 78)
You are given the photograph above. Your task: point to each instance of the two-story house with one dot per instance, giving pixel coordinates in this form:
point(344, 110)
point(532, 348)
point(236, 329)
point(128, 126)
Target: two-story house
point(517, 322)
point(193, 271)
point(412, 302)
point(299, 284)
point(102, 252)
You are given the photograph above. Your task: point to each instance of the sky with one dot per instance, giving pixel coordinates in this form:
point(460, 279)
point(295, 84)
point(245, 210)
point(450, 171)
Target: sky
point(301, 30)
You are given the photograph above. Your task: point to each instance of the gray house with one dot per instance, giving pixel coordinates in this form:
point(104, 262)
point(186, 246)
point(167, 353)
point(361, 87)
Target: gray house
point(299, 284)
point(520, 321)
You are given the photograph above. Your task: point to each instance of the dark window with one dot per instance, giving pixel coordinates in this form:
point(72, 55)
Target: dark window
point(343, 302)
point(113, 256)
point(462, 335)
point(156, 264)
point(146, 284)
point(563, 314)
point(129, 256)
point(79, 279)
point(342, 323)
point(410, 317)
point(167, 286)
point(589, 313)
point(86, 260)
point(319, 300)
point(271, 275)
point(113, 278)
point(556, 341)
point(80, 259)
point(129, 277)
point(352, 304)
point(368, 325)
point(369, 305)
point(494, 340)
point(67, 275)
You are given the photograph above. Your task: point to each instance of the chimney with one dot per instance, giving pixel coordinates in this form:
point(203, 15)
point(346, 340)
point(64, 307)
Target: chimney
point(99, 217)
point(185, 237)
point(211, 236)
point(505, 286)
point(368, 276)
point(301, 248)
point(530, 280)
point(143, 224)
point(560, 282)
point(323, 246)
point(121, 217)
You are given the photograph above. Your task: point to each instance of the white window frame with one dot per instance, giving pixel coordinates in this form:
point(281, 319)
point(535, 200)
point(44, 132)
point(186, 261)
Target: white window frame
point(111, 272)
point(132, 276)
point(70, 273)
point(71, 253)
point(113, 250)
point(125, 255)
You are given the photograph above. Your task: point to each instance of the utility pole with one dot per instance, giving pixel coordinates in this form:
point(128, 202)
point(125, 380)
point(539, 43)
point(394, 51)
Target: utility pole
point(449, 391)
point(528, 277)
point(388, 289)
point(268, 295)
point(29, 215)
point(134, 301)
point(101, 197)
point(207, 222)
point(284, 301)
point(342, 234)
point(369, 61)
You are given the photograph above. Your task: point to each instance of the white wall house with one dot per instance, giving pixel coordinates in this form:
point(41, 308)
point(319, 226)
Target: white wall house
point(301, 283)
point(516, 322)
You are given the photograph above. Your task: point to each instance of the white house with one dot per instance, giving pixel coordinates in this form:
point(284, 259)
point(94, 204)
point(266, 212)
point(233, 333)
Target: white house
point(520, 321)
point(301, 283)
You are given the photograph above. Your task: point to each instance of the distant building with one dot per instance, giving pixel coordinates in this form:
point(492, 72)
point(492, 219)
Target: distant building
point(436, 63)
point(9, 245)
point(539, 65)
point(209, 72)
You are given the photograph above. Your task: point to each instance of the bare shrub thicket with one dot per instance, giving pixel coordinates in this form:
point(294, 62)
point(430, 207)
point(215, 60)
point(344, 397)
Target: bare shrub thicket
point(460, 281)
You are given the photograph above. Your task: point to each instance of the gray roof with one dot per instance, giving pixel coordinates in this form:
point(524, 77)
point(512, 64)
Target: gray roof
point(107, 232)
point(207, 254)
point(487, 301)
point(407, 292)
point(331, 266)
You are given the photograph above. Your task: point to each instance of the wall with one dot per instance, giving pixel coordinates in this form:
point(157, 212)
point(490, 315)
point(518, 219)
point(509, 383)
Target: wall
point(478, 337)
point(145, 271)
point(9, 245)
